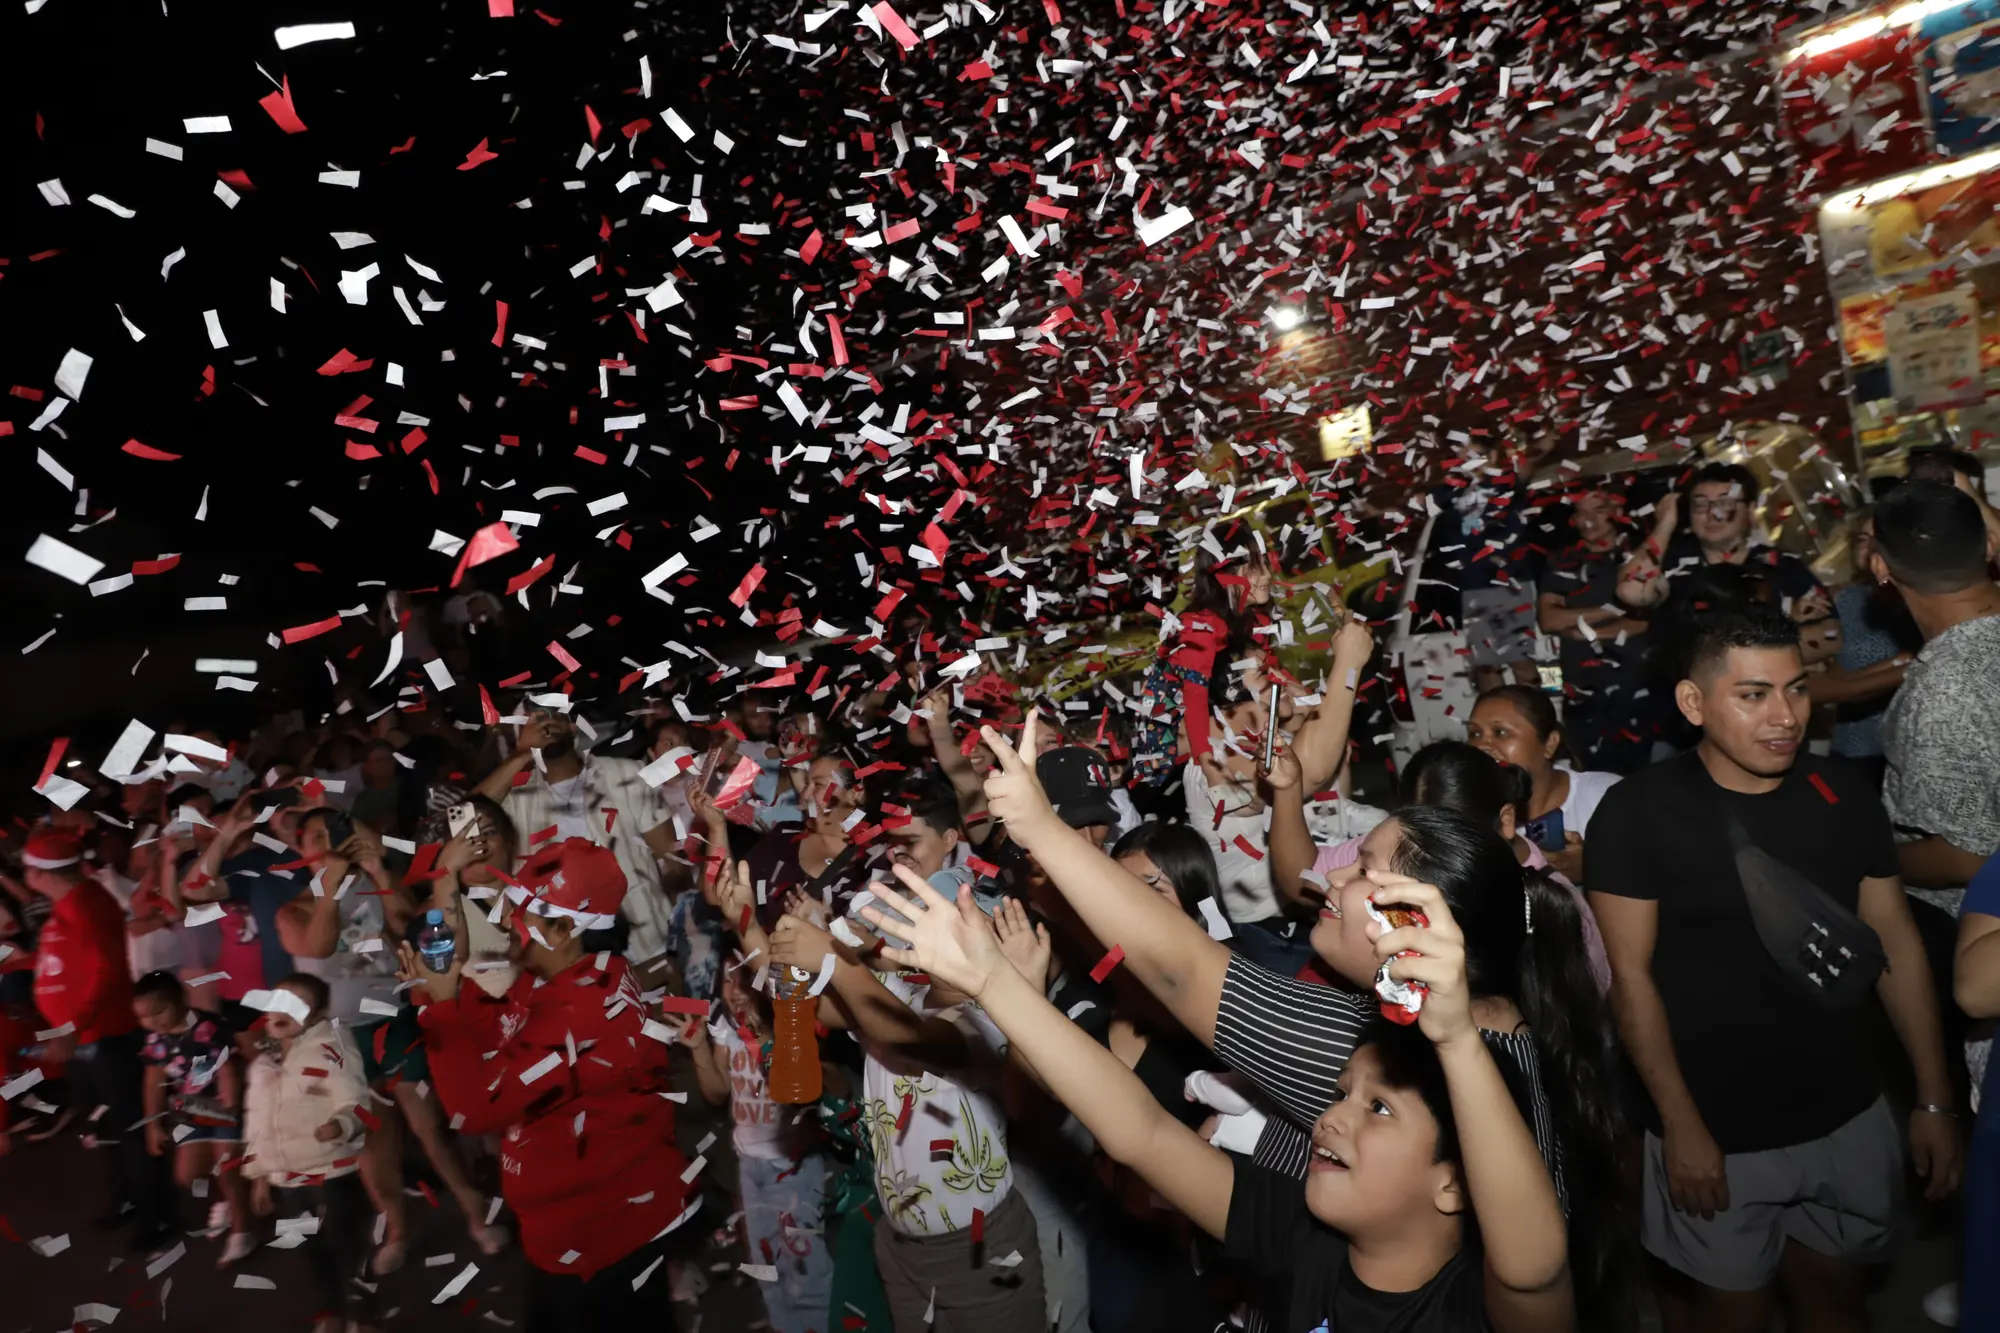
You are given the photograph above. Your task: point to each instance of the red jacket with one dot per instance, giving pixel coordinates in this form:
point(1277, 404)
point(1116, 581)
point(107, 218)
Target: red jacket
point(1202, 639)
point(82, 975)
point(588, 1159)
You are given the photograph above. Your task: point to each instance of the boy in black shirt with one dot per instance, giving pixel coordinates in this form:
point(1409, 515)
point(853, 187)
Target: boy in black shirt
point(1773, 1166)
point(1422, 1153)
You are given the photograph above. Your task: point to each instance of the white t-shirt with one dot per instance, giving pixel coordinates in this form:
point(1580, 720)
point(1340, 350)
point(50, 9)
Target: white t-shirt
point(1585, 791)
point(923, 1190)
point(1247, 894)
point(570, 804)
point(156, 950)
point(363, 963)
point(760, 1122)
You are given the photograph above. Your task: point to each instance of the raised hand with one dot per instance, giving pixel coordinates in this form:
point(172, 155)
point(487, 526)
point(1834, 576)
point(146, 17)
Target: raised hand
point(1353, 644)
point(806, 908)
point(1025, 944)
point(951, 941)
point(799, 943)
point(1284, 772)
point(1437, 955)
point(1013, 792)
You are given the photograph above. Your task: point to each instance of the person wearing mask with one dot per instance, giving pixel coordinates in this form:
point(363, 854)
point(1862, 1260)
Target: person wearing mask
point(83, 991)
point(1773, 1166)
point(1874, 655)
point(1602, 668)
point(1518, 725)
point(602, 798)
point(561, 1067)
point(1941, 735)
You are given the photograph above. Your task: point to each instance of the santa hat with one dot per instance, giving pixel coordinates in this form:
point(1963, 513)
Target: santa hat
point(52, 849)
point(574, 878)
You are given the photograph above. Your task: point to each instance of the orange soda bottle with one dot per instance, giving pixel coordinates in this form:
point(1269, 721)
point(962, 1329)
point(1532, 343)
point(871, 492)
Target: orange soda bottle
point(795, 1072)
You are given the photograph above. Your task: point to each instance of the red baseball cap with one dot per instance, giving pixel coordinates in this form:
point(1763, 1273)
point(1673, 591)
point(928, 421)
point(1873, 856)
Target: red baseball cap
point(574, 878)
point(52, 849)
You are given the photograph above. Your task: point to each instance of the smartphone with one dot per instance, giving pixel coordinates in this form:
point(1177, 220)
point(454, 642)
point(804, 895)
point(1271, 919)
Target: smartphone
point(276, 798)
point(458, 818)
point(1271, 729)
point(339, 828)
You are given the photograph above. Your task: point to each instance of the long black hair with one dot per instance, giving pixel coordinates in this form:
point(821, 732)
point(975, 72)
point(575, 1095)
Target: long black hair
point(1209, 593)
point(1183, 857)
point(1524, 941)
point(1455, 776)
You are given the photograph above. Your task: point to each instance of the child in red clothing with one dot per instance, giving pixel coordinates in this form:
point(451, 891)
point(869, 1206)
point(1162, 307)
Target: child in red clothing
point(1214, 629)
point(564, 1067)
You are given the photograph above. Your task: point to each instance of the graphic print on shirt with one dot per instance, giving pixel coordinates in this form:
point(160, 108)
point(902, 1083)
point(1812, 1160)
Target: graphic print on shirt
point(977, 1165)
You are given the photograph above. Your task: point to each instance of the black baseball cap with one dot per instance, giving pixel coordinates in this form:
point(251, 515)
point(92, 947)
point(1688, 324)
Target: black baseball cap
point(1078, 782)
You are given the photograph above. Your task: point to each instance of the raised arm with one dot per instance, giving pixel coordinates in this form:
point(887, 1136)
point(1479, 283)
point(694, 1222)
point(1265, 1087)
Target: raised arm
point(1292, 848)
point(955, 945)
point(495, 785)
point(1526, 1242)
point(935, 709)
point(868, 1006)
point(1321, 742)
point(1169, 954)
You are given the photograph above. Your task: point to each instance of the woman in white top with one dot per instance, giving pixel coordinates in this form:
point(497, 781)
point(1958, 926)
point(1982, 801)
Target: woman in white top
point(1518, 725)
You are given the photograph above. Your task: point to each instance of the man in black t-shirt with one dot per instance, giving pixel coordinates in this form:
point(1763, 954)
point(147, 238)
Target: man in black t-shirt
point(1771, 1158)
point(1721, 503)
point(1602, 653)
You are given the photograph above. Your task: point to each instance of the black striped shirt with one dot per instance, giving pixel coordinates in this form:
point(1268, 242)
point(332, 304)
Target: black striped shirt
point(1292, 1038)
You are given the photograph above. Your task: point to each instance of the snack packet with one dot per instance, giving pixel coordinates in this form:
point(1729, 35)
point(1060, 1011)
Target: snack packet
point(1401, 1000)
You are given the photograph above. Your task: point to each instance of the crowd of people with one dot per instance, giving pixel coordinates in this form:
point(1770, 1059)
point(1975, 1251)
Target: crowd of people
point(1029, 1018)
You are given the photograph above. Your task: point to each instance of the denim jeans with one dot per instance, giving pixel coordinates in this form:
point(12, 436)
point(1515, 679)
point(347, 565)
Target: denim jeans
point(784, 1222)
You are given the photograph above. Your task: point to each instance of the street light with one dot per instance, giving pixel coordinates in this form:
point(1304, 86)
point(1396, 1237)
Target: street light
point(1285, 318)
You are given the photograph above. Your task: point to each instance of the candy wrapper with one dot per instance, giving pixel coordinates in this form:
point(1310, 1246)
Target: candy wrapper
point(1401, 1000)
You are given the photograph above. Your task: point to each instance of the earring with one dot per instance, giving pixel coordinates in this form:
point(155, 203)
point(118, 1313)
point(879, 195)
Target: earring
point(1528, 910)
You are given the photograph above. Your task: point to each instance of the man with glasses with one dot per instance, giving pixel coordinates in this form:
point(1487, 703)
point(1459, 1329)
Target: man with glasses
point(1721, 507)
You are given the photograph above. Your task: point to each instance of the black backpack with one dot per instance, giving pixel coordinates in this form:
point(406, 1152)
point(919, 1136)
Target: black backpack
point(1824, 949)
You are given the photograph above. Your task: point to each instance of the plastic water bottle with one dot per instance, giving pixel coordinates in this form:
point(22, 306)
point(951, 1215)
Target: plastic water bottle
point(436, 941)
point(795, 1072)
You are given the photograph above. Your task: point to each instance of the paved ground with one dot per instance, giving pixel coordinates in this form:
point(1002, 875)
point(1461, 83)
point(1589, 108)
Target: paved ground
point(52, 1189)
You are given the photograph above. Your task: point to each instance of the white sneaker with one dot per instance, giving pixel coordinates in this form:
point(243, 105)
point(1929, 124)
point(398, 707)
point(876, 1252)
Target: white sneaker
point(1941, 1306)
point(237, 1249)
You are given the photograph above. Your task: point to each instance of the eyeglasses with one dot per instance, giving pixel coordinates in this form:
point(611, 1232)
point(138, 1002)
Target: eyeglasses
point(1719, 508)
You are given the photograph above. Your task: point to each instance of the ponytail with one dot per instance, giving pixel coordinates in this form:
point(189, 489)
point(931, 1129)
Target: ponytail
point(1572, 1031)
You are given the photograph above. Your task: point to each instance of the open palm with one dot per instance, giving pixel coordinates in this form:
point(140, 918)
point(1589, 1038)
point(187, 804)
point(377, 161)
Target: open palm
point(951, 941)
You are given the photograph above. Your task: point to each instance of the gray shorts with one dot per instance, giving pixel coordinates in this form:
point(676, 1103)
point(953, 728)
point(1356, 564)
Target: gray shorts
point(1839, 1196)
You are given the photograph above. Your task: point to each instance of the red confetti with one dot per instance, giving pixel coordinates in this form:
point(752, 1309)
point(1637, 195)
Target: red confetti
point(1107, 964)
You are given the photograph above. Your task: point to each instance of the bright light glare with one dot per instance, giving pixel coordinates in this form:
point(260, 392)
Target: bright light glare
point(1285, 318)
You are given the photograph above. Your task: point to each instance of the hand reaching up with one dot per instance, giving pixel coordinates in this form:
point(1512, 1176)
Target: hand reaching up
point(1025, 944)
point(1013, 792)
point(951, 941)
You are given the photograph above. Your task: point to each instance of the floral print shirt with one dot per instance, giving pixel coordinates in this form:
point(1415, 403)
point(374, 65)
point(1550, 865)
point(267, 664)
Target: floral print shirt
point(939, 1143)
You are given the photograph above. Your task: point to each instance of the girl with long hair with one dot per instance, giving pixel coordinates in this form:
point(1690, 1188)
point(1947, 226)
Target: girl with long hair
point(1535, 1001)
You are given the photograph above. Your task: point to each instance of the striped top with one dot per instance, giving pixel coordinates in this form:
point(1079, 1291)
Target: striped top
point(1292, 1039)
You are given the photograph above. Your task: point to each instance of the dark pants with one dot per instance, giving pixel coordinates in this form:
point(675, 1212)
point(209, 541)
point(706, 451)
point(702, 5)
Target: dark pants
point(107, 1073)
point(565, 1303)
point(338, 1253)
